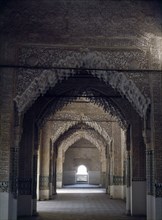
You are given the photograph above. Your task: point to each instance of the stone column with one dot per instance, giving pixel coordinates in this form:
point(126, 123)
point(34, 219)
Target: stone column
point(38, 163)
point(8, 204)
point(149, 167)
point(154, 151)
point(111, 168)
point(44, 163)
point(34, 168)
point(59, 168)
point(54, 173)
point(25, 176)
point(138, 169)
point(103, 169)
point(34, 182)
point(107, 169)
point(116, 187)
point(128, 186)
point(15, 160)
point(123, 164)
point(128, 172)
point(51, 171)
point(109, 155)
point(150, 181)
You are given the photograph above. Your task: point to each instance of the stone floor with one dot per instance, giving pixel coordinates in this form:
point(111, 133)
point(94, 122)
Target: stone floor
point(82, 204)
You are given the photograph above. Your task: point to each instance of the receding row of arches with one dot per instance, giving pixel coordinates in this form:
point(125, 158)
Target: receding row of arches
point(82, 119)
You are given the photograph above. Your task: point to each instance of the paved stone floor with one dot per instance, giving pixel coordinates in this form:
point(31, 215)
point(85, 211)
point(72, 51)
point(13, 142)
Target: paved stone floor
point(82, 204)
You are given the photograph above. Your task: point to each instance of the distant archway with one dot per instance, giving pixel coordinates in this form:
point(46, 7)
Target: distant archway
point(81, 174)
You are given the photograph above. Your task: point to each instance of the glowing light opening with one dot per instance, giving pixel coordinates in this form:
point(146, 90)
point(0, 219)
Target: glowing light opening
point(82, 170)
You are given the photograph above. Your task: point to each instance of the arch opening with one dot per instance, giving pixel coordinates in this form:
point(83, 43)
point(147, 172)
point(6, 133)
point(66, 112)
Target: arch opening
point(104, 102)
point(81, 175)
point(116, 80)
point(81, 170)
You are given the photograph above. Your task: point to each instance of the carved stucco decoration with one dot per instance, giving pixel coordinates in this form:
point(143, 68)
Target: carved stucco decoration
point(85, 59)
point(106, 103)
point(58, 120)
point(117, 80)
point(90, 58)
point(71, 58)
point(111, 109)
point(85, 121)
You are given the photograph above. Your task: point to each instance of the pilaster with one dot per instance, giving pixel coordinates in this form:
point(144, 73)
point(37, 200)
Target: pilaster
point(7, 201)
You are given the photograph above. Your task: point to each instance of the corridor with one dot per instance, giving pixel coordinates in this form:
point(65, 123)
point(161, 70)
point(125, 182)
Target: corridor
point(82, 204)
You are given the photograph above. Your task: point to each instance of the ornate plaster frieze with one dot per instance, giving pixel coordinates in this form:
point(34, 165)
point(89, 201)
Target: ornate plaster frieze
point(86, 59)
point(105, 103)
point(109, 106)
point(33, 56)
point(58, 119)
point(89, 58)
point(128, 89)
point(117, 80)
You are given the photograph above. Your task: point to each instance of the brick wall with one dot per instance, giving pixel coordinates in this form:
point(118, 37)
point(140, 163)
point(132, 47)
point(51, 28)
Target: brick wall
point(6, 122)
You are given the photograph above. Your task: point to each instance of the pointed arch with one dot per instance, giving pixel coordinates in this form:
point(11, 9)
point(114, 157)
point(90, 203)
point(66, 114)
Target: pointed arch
point(108, 105)
point(48, 79)
point(79, 134)
point(84, 120)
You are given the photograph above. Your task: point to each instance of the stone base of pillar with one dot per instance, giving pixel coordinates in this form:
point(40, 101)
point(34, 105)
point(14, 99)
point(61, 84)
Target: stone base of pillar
point(54, 191)
point(158, 208)
point(8, 206)
point(150, 207)
point(35, 207)
point(154, 208)
point(128, 201)
point(117, 192)
point(44, 194)
point(50, 190)
point(138, 198)
point(25, 205)
point(108, 190)
point(59, 184)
